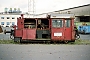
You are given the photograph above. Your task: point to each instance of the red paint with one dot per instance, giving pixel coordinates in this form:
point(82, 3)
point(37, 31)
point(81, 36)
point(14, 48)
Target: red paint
point(20, 23)
point(73, 31)
point(57, 30)
point(67, 32)
point(29, 34)
point(18, 33)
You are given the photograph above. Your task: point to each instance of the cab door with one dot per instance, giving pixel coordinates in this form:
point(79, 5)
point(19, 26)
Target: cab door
point(67, 29)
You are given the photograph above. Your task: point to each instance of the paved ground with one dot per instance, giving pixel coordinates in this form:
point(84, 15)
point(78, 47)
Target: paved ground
point(44, 52)
point(5, 36)
point(85, 36)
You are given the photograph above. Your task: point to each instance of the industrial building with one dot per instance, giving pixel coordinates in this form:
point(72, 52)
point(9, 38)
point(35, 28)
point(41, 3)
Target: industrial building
point(9, 17)
point(82, 14)
point(7, 20)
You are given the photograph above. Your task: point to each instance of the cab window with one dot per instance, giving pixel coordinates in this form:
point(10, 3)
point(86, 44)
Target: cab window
point(57, 23)
point(67, 23)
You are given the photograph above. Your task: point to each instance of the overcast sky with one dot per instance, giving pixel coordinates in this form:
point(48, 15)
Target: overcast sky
point(42, 6)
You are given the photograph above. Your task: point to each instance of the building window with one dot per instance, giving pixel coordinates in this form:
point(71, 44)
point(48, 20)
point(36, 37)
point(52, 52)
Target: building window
point(13, 17)
point(13, 23)
point(8, 17)
point(8, 23)
point(2, 23)
point(2, 17)
point(84, 19)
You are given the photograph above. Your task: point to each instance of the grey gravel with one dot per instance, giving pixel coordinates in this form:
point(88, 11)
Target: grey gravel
point(44, 52)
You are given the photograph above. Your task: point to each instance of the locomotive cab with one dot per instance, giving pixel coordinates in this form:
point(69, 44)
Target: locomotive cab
point(62, 27)
point(43, 29)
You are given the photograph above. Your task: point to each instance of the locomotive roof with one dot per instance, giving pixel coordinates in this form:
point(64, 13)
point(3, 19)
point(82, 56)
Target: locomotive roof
point(52, 15)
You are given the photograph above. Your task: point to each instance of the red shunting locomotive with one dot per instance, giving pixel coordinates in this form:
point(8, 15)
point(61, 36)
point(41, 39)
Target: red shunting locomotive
point(55, 27)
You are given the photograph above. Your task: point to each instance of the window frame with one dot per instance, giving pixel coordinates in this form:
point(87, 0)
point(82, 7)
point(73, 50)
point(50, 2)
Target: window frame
point(8, 17)
point(68, 24)
point(58, 23)
point(13, 17)
point(2, 17)
point(8, 23)
point(13, 24)
point(3, 23)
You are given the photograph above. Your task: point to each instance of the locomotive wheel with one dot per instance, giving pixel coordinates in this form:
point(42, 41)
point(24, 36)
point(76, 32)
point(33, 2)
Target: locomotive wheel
point(77, 37)
point(17, 39)
point(65, 42)
point(12, 37)
point(20, 41)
